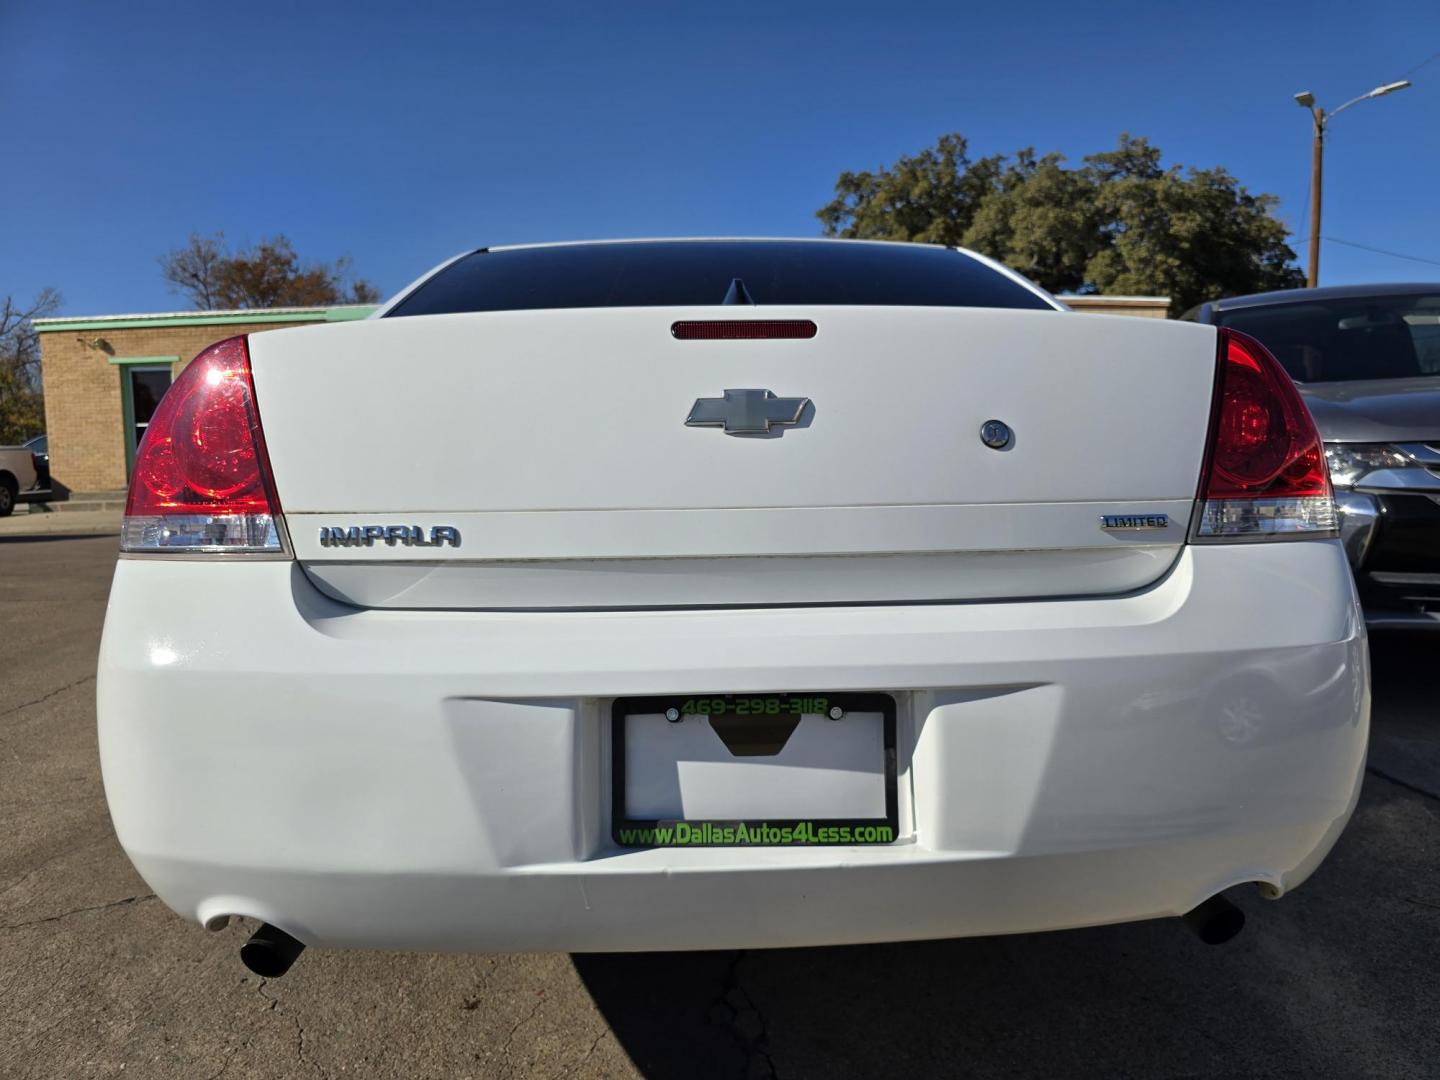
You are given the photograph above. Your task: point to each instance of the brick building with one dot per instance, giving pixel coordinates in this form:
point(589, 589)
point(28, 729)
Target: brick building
point(104, 374)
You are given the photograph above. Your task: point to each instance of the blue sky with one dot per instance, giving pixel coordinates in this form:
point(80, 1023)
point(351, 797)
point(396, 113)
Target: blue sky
point(401, 134)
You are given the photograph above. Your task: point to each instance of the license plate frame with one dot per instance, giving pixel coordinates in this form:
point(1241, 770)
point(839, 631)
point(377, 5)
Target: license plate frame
point(627, 832)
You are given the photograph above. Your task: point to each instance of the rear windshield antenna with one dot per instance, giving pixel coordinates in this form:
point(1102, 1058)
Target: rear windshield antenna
point(738, 294)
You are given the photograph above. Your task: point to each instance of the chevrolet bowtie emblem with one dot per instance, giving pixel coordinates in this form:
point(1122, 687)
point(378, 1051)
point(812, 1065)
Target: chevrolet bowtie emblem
point(746, 412)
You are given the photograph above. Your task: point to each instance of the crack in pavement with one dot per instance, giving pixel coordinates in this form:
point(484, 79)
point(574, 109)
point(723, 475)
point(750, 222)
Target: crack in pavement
point(228, 1058)
point(78, 911)
point(6, 890)
point(300, 1050)
point(46, 697)
point(1401, 783)
point(504, 1051)
point(746, 1025)
point(274, 1006)
point(585, 1057)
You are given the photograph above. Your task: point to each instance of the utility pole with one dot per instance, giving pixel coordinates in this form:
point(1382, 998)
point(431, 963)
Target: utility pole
point(1317, 171)
point(1306, 100)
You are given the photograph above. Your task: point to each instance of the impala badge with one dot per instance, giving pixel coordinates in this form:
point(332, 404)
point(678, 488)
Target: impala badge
point(406, 535)
point(746, 412)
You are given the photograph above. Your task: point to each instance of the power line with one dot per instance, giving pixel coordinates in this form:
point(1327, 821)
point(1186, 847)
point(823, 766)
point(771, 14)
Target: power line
point(1428, 59)
point(1375, 250)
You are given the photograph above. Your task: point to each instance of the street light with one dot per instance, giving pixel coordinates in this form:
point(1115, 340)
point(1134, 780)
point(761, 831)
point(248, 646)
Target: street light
point(1306, 100)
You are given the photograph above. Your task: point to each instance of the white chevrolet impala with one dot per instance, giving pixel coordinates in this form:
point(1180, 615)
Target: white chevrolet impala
point(727, 593)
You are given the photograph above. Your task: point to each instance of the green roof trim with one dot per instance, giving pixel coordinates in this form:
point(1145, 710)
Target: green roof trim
point(349, 313)
point(144, 359)
point(344, 313)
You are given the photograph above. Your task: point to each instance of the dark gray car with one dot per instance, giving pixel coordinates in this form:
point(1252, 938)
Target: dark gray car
point(1366, 358)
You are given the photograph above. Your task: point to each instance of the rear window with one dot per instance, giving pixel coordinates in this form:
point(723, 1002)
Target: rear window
point(700, 273)
point(1340, 340)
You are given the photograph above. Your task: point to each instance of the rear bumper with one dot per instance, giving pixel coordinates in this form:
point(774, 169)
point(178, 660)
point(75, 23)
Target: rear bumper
point(440, 780)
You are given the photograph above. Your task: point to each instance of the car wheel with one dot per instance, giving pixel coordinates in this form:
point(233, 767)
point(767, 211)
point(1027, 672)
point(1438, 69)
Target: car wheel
point(7, 497)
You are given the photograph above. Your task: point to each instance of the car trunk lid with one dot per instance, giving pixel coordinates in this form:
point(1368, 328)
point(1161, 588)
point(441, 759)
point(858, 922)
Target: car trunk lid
point(555, 445)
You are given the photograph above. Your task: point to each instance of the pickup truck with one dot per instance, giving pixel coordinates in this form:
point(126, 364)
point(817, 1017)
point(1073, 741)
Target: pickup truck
point(19, 476)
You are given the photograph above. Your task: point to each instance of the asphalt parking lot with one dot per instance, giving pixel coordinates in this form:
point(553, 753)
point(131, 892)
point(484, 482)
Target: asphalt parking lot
point(98, 978)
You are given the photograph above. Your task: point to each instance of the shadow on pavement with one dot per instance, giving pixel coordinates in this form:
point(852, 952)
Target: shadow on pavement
point(1312, 988)
point(1405, 738)
point(1088, 1003)
point(1335, 979)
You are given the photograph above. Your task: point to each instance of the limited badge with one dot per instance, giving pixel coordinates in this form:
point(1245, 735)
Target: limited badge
point(1134, 522)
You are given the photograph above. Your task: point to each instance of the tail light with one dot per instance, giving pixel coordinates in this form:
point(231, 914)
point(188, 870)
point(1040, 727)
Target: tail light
point(202, 480)
point(1265, 476)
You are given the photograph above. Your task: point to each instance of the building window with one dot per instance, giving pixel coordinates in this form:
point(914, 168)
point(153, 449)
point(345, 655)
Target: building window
point(144, 386)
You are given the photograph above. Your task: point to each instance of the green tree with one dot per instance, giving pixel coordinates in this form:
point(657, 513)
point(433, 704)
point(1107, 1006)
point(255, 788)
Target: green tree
point(930, 198)
point(1121, 222)
point(269, 274)
point(22, 404)
point(1041, 219)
